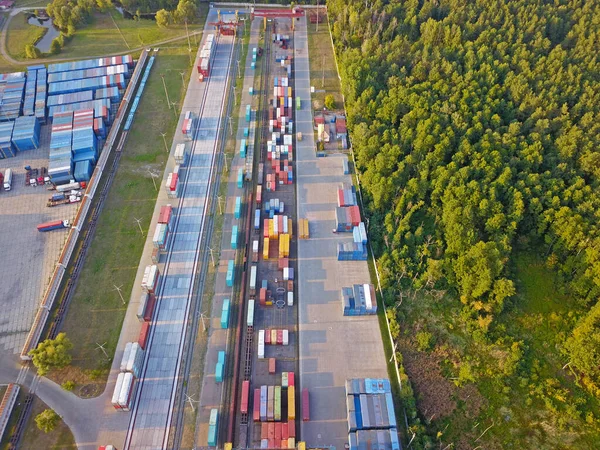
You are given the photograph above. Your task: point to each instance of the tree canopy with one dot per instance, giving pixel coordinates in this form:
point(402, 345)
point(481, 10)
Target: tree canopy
point(475, 126)
point(47, 420)
point(52, 354)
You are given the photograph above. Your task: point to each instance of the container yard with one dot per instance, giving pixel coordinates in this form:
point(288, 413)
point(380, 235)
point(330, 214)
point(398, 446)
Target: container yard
point(49, 160)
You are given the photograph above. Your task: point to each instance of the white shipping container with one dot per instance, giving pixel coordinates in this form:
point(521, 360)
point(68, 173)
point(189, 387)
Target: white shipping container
point(125, 357)
point(290, 298)
point(142, 308)
point(285, 225)
point(255, 246)
point(127, 391)
point(287, 139)
point(276, 226)
point(261, 337)
point(180, 154)
point(136, 359)
point(117, 391)
point(368, 300)
point(286, 337)
point(286, 273)
point(253, 277)
point(250, 316)
point(261, 351)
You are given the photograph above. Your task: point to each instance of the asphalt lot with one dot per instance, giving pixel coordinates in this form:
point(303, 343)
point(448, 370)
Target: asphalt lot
point(28, 256)
point(332, 347)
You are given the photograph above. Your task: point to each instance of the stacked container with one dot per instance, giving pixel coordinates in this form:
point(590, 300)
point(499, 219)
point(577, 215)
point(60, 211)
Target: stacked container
point(73, 97)
point(40, 94)
point(346, 218)
point(101, 108)
point(230, 273)
point(60, 166)
point(73, 75)
point(352, 251)
point(206, 55)
point(91, 63)
point(150, 279)
point(172, 185)
point(112, 93)
point(359, 300)
point(146, 307)
point(347, 195)
point(225, 314)
point(29, 101)
point(26, 133)
point(85, 145)
point(7, 149)
point(64, 87)
point(220, 367)
point(12, 87)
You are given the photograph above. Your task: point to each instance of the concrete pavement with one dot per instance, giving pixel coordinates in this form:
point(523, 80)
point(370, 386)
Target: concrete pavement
point(332, 347)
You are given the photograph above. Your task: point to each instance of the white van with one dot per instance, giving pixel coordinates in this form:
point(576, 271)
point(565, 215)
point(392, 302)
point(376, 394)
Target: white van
point(7, 179)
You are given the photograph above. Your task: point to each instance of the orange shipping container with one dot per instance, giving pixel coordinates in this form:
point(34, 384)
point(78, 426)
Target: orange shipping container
point(264, 430)
point(271, 365)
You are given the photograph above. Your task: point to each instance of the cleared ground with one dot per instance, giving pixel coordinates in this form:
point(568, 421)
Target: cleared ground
point(323, 72)
point(29, 256)
point(115, 253)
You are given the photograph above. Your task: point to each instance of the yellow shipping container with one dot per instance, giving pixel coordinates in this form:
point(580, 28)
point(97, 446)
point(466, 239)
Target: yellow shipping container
point(287, 245)
point(289, 91)
point(273, 337)
point(228, 446)
point(271, 229)
point(291, 402)
point(290, 227)
point(301, 445)
point(266, 249)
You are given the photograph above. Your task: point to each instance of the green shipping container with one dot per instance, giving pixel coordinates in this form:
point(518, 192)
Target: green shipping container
point(229, 277)
point(225, 314)
point(219, 372)
point(298, 103)
point(240, 178)
point(212, 435)
point(247, 113)
point(243, 148)
point(221, 357)
point(238, 207)
point(234, 237)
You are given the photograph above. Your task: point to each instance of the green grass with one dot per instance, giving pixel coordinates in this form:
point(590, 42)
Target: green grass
point(20, 34)
point(109, 32)
point(539, 405)
point(323, 72)
point(114, 255)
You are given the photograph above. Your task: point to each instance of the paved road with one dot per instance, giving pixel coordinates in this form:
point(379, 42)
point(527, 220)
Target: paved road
point(332, 347)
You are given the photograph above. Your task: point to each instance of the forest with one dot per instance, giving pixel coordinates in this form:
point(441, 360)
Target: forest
point(475, 127)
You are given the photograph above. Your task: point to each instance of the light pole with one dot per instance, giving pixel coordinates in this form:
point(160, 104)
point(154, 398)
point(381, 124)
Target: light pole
point(162, 75)
point(182, 82)
point(230, 126)
point(139, 225)
point(202, 316)
point(153, 180)
point(212, 258)
point(164, 136)
point(118, 289)
point(226, 169)
point(239, 73)
point(219, 198)
point(101, 347)
point(174, 108)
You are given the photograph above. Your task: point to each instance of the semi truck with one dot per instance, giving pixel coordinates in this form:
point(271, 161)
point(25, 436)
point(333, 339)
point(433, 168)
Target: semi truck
point(54, 225)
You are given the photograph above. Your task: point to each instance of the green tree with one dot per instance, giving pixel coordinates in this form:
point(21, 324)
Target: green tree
point(55, 46)
point(68, 385)
point(425, 341)
point(32, 52)
point(329, 102)
point(186, 10)
point(52, 354)
point(163, 18)
point(47, 420)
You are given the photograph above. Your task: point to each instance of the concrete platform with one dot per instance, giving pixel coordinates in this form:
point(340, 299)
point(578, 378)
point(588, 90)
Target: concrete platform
point(28, 256)
point(332, 347)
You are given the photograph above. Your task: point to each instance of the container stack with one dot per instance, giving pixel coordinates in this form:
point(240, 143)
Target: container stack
point(213, 423)
point(146, 308)
point(359, 234)
point(352, 251)
point(346, 218)
point(206, 55)
point(347, 195)
point(359, 300)
point(101, 108)
point(12, 87)
point(26, 133)
point(150, 279)
point(65, 87)
point(67, 99)
point(371, 416)
point(85, 144)
point(303, 230)
point(125, 390)
point(29, 101)
point(41, 91)
point(7, 149)
point(181, 154)
point(60, 166)
point(112, 93)
point(220, 367)
point(270, 403)
point(276, 337)
point(133, 359)
point(225, 314)
point(91, 63)
point(74, 75)
point(100, 128)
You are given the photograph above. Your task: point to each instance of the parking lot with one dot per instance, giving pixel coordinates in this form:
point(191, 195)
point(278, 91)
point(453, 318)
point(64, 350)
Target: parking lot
point(28, 256)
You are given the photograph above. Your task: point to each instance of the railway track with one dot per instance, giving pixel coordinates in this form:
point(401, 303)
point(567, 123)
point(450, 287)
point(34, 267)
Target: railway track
point(174, 426)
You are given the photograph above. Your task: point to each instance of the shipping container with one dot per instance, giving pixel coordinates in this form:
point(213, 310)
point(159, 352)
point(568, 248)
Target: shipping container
point(238, 207)
point(229, 279)
point(181, 154)
point(264, 400)
point(128, 391)
point(270, 403)
point(256, 409)
point(213, 423)
point(144, 333)
point(225, 314)
point(117, 391)
point(234, 237)
point(250, 315)
point(305, 405)
point(48, 226)
point(245, 397)
point(125, 358)
point(291, 401)
point(271, 365)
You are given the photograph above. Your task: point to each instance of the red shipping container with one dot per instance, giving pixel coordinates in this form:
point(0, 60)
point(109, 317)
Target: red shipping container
point(340, 197)
point(292, 428)
point(173, 185)
point(266, 228)
point(267, 337)
point(279, 337)
point(149, 308)
point(262, 296)
point(283, 263)
point(284, 431)
point(291, 379)
point(272, 443)
point(144, 332)
point(280, 219)
point(264, 430)
point(165, 214)
point(259, 194)
point(305, 405)
point(271, 365)
point(245, 395)
point(271, 430)
point(278, 431)
point(256, 415)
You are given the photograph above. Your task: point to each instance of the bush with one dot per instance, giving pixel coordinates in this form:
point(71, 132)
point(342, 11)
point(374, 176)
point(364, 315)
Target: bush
point(55, 46)
point(32, 52)
point(329, 102)
point(47, 420)
point(425, 341)
point(52, 354)
point(68, 385)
